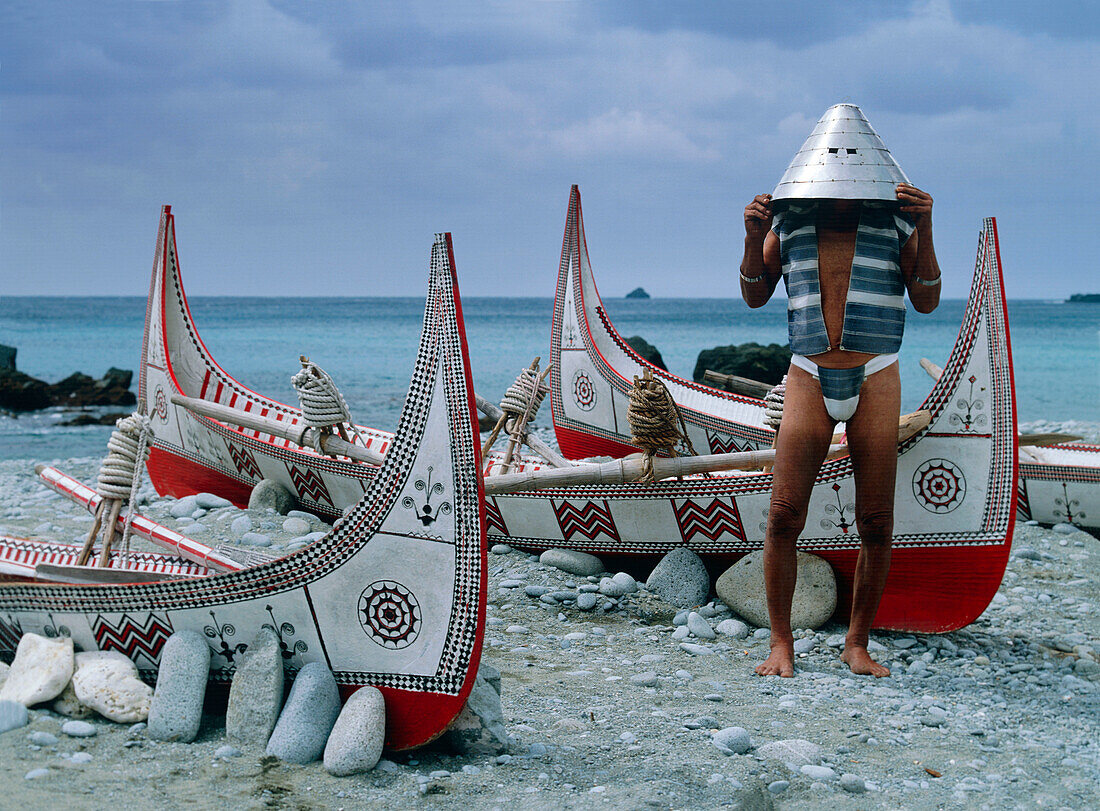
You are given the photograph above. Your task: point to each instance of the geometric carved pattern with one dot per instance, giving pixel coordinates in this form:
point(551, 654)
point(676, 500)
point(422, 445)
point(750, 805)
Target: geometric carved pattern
point(493, 519)
point(390, 614)
point(584, 393)
point(711, 522)
point(11, 631)
point(589, 520)
point(1023, 506)
point(131, 637)
point(727, 445)
point(244, 460)
point(939, 486)
point(309, 484)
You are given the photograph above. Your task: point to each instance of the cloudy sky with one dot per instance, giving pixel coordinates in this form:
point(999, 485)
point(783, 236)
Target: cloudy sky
point(314, 148)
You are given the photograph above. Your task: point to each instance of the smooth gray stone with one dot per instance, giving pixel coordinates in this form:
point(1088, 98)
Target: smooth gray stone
point(209, 501)
point(822, 773)
point(611, 588)
point(741, 587)
point(680, 579)
point(625, 581)
point(852, 783)
point(269, 493)
point(805, 644)
point(778, 786)
point(176, 710)
point(734, 628)
point(241, 524)
point(696, 650)
point(568, 560)
point(479, 728)
point(256, 695)
point(78, 729)
point(34, 774)
point(255, 539)
point(307, 719)
point(13, 715)
point(796, 750)
point(586, 601)
point(732, 740)
point(647, 679)
point(184, 507)
point(42, 739)
point(296, 526)
point(355, 743)
point(700, 627)
point(490, 674)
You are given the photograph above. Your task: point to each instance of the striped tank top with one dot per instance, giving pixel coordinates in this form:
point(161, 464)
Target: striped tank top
point(874, 311)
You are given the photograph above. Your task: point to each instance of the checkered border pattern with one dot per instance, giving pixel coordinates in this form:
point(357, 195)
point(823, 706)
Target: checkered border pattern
point(440, 352)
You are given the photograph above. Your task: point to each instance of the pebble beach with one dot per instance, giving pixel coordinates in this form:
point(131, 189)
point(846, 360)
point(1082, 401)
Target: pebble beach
point(613, 698)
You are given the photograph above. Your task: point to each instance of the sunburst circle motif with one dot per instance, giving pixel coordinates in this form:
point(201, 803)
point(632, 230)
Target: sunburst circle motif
point(389, 614)
point(161, 404)
point(939, 486)
point(584, 393)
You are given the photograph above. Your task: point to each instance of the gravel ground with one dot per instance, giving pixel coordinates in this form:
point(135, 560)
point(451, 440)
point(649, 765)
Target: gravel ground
point(605, 708)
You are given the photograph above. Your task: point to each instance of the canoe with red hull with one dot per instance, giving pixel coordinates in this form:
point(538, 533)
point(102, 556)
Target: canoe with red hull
point(394, 597)
point(955, 493)
point(955, 505)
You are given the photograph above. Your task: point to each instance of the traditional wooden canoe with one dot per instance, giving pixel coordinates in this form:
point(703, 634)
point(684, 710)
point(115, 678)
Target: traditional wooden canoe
point(394, 597)
point(955, 493)
point(1060, 484)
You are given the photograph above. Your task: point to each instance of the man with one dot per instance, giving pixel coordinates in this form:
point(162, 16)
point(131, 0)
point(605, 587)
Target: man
point(849, 236)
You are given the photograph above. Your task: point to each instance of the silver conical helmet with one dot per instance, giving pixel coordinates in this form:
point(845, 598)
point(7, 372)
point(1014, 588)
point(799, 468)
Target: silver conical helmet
point(843, 158)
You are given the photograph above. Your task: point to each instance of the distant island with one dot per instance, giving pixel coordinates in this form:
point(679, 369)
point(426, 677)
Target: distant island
point(638, 292)
point(1076, 298)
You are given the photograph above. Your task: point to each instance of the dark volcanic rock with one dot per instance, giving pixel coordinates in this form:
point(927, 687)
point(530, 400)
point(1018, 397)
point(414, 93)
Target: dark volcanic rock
point(21, 392)
point(7, 358)
point(647, 351)
point(93, 419)
point(637, 292)
point(766, 364)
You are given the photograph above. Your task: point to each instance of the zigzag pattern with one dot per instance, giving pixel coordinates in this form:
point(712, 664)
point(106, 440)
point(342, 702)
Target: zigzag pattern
point(588, 521)
point(716, 519)
point(11, 631)
point(493, 519)
point(727, 445)
point(244, 460)
point(1023, 506)
point(309, 484)
point(133, 638)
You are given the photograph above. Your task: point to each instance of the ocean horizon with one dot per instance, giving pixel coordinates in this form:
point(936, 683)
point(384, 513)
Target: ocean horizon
point(368, 344)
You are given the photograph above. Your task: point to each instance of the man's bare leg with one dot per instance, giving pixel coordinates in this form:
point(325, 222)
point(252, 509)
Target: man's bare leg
point(800, 449)
point(873, 441)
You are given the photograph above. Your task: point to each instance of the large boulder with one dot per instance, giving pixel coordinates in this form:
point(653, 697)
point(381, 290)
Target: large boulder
point(355, 743)
point(680, 579)
point(81, 390)
point(256, 695)
point(40, 671)
point(108, 682)
point(766, 364)
point(7, 358)
point(21, 392)
point(647, 350)
point(308, 717)
point(741, 587)
point(479, 728)
point(176, 711)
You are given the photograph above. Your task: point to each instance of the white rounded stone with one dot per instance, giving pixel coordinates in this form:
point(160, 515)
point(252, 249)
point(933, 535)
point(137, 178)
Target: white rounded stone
point(69, 705)
point(41, 670)
point(107, 682)
point(355, 743)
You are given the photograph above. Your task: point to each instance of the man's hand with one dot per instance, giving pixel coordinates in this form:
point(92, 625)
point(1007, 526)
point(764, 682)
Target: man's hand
point(758, 216)
point(914, 202)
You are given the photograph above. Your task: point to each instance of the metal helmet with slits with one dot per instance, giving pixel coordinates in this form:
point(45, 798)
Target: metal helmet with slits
point(844, 158)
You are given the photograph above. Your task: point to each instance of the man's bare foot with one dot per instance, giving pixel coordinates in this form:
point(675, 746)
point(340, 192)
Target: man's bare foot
point(780, 661)
point(859, 660)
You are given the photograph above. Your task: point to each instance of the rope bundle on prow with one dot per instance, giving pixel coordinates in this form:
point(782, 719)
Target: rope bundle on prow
point(773, 404)
point(118, 482)
point(520, 405)
point(323, 406)
point(656, 424)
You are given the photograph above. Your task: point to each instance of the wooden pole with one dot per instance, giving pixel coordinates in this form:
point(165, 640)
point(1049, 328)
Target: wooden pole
point(934, 371)
point(89, 542)
point(492, 410)
point(298, 434)
point(737, 385)
point(621, 471)
point(109, 533)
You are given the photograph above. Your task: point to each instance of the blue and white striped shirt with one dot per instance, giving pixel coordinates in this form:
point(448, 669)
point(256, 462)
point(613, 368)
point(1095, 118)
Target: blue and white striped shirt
point(874, 312)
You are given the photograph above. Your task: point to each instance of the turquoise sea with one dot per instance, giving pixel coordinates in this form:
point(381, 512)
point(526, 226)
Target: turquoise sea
point(369, 344)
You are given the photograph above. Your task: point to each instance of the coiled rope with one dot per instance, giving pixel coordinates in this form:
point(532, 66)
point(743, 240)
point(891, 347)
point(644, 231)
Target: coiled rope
point(655, 421)
point(773, 404)
point(323, 406)
point(118, 482)
point(520, 404)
